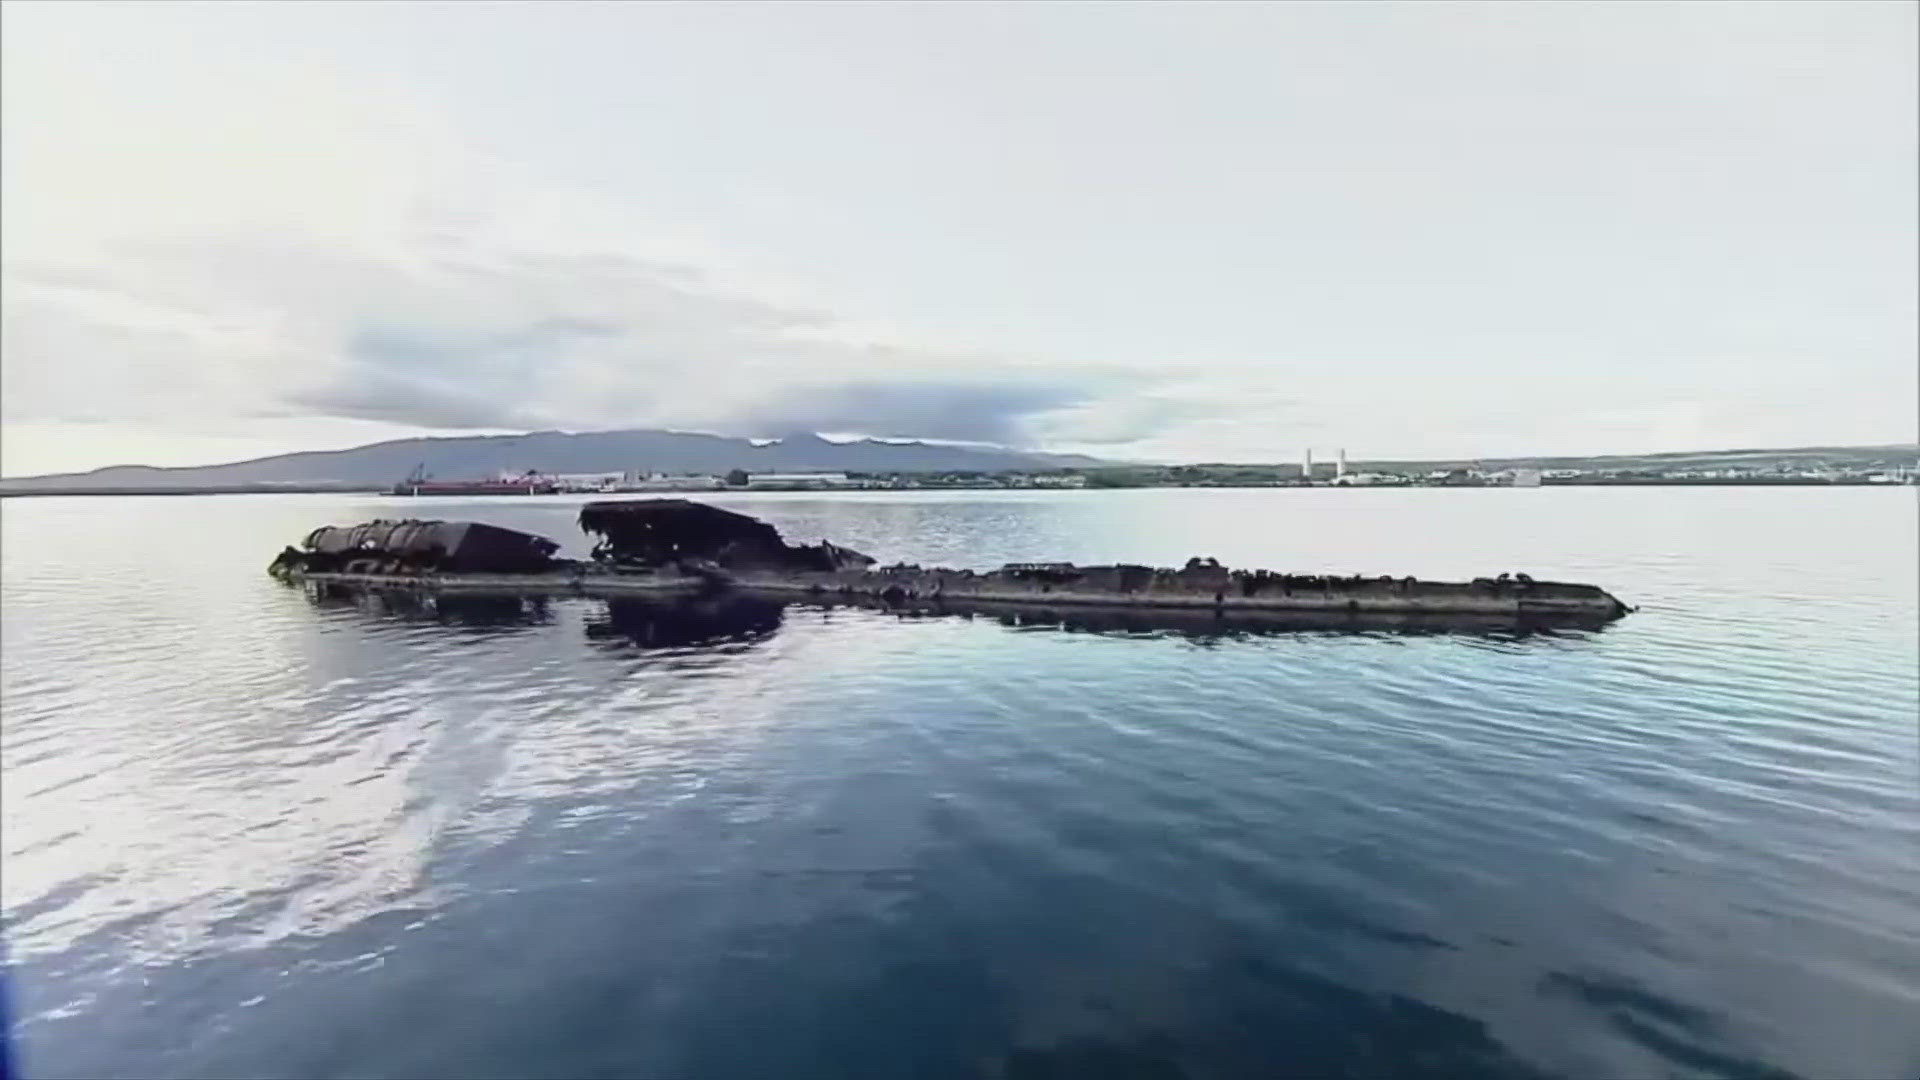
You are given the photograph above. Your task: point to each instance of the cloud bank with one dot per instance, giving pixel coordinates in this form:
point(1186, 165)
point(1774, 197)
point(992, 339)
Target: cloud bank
point(1408, 229)
point(311, 248)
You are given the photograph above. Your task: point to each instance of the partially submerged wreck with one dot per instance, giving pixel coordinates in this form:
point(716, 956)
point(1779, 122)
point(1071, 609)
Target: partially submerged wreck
point(675, 546)
point(416, 548)
point(652, 533)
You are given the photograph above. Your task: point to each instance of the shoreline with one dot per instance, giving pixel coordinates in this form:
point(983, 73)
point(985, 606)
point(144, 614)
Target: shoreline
point(16, 493)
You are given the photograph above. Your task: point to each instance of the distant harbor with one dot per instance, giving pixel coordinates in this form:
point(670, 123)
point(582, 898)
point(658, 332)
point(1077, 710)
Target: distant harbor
point(1891, 466)
point(538, 483)
point(1335, 474)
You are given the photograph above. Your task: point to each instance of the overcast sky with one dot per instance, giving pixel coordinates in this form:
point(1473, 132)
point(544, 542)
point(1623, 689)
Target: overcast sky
point(1174, 232)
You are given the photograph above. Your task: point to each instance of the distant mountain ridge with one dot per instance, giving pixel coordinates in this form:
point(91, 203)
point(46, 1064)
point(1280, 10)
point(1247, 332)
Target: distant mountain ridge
point(476, 456)
point(379, 465)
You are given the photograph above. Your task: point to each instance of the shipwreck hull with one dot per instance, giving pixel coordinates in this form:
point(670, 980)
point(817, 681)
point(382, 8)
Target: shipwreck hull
point(958, 589)
point(414, 546)
point(669, 547)
point(660, 532)
point(1167, 589)
point(736, 616)
point(1211, 622)
point(547, 583)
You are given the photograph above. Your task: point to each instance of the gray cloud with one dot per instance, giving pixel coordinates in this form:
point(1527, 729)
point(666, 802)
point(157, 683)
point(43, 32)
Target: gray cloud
point(394, 398)
point(919, 408)
point(399, 376)
point(603, 340)
point(493, 380)
point(457, 337)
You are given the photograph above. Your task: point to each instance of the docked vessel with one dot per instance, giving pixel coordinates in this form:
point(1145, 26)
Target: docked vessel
point(670, 546)
point(419, 483)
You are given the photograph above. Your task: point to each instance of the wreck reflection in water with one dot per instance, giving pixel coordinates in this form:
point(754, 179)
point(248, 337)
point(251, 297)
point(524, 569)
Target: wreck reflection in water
point(471, 611)
point(687, 623)
point(676, 623)
point(734, 618)
point(1206, 624)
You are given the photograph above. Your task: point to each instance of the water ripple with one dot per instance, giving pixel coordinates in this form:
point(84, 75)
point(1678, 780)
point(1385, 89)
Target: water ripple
point(251, 833)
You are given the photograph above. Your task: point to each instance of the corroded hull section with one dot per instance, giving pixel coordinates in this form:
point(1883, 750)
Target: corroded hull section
point(419, 547)
point(546, 583)
point(1544, 601)
point(667, 547)
point(1205, 589)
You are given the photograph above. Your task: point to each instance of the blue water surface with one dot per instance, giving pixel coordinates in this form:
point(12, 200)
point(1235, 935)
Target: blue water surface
point(254, 833)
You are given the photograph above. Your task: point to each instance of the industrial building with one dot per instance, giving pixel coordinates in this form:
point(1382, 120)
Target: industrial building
point(790, 481)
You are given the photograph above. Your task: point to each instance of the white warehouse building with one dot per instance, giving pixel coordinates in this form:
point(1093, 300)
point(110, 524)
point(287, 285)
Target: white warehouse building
point(801, 480)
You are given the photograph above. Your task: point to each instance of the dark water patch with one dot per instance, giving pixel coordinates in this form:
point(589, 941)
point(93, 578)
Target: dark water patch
point(647, 624)
point(1613, 996)
point(1691, 1055)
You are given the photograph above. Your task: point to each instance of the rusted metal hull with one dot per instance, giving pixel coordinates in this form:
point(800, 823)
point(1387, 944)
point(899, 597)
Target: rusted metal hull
point(665, 547)
point(1149, 588)
point(656, 532)
point(1549, 602)
point(541, 584)
point(416, 547)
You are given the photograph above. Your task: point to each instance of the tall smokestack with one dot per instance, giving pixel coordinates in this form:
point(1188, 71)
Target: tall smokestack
point(1340, 466)
point(1306, 467)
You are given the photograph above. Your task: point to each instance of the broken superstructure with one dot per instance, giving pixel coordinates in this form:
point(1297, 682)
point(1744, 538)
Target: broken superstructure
point(666, 546)
point(655, 533)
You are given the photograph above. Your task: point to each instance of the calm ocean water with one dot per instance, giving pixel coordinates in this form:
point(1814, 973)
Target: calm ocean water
point(252, 835)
